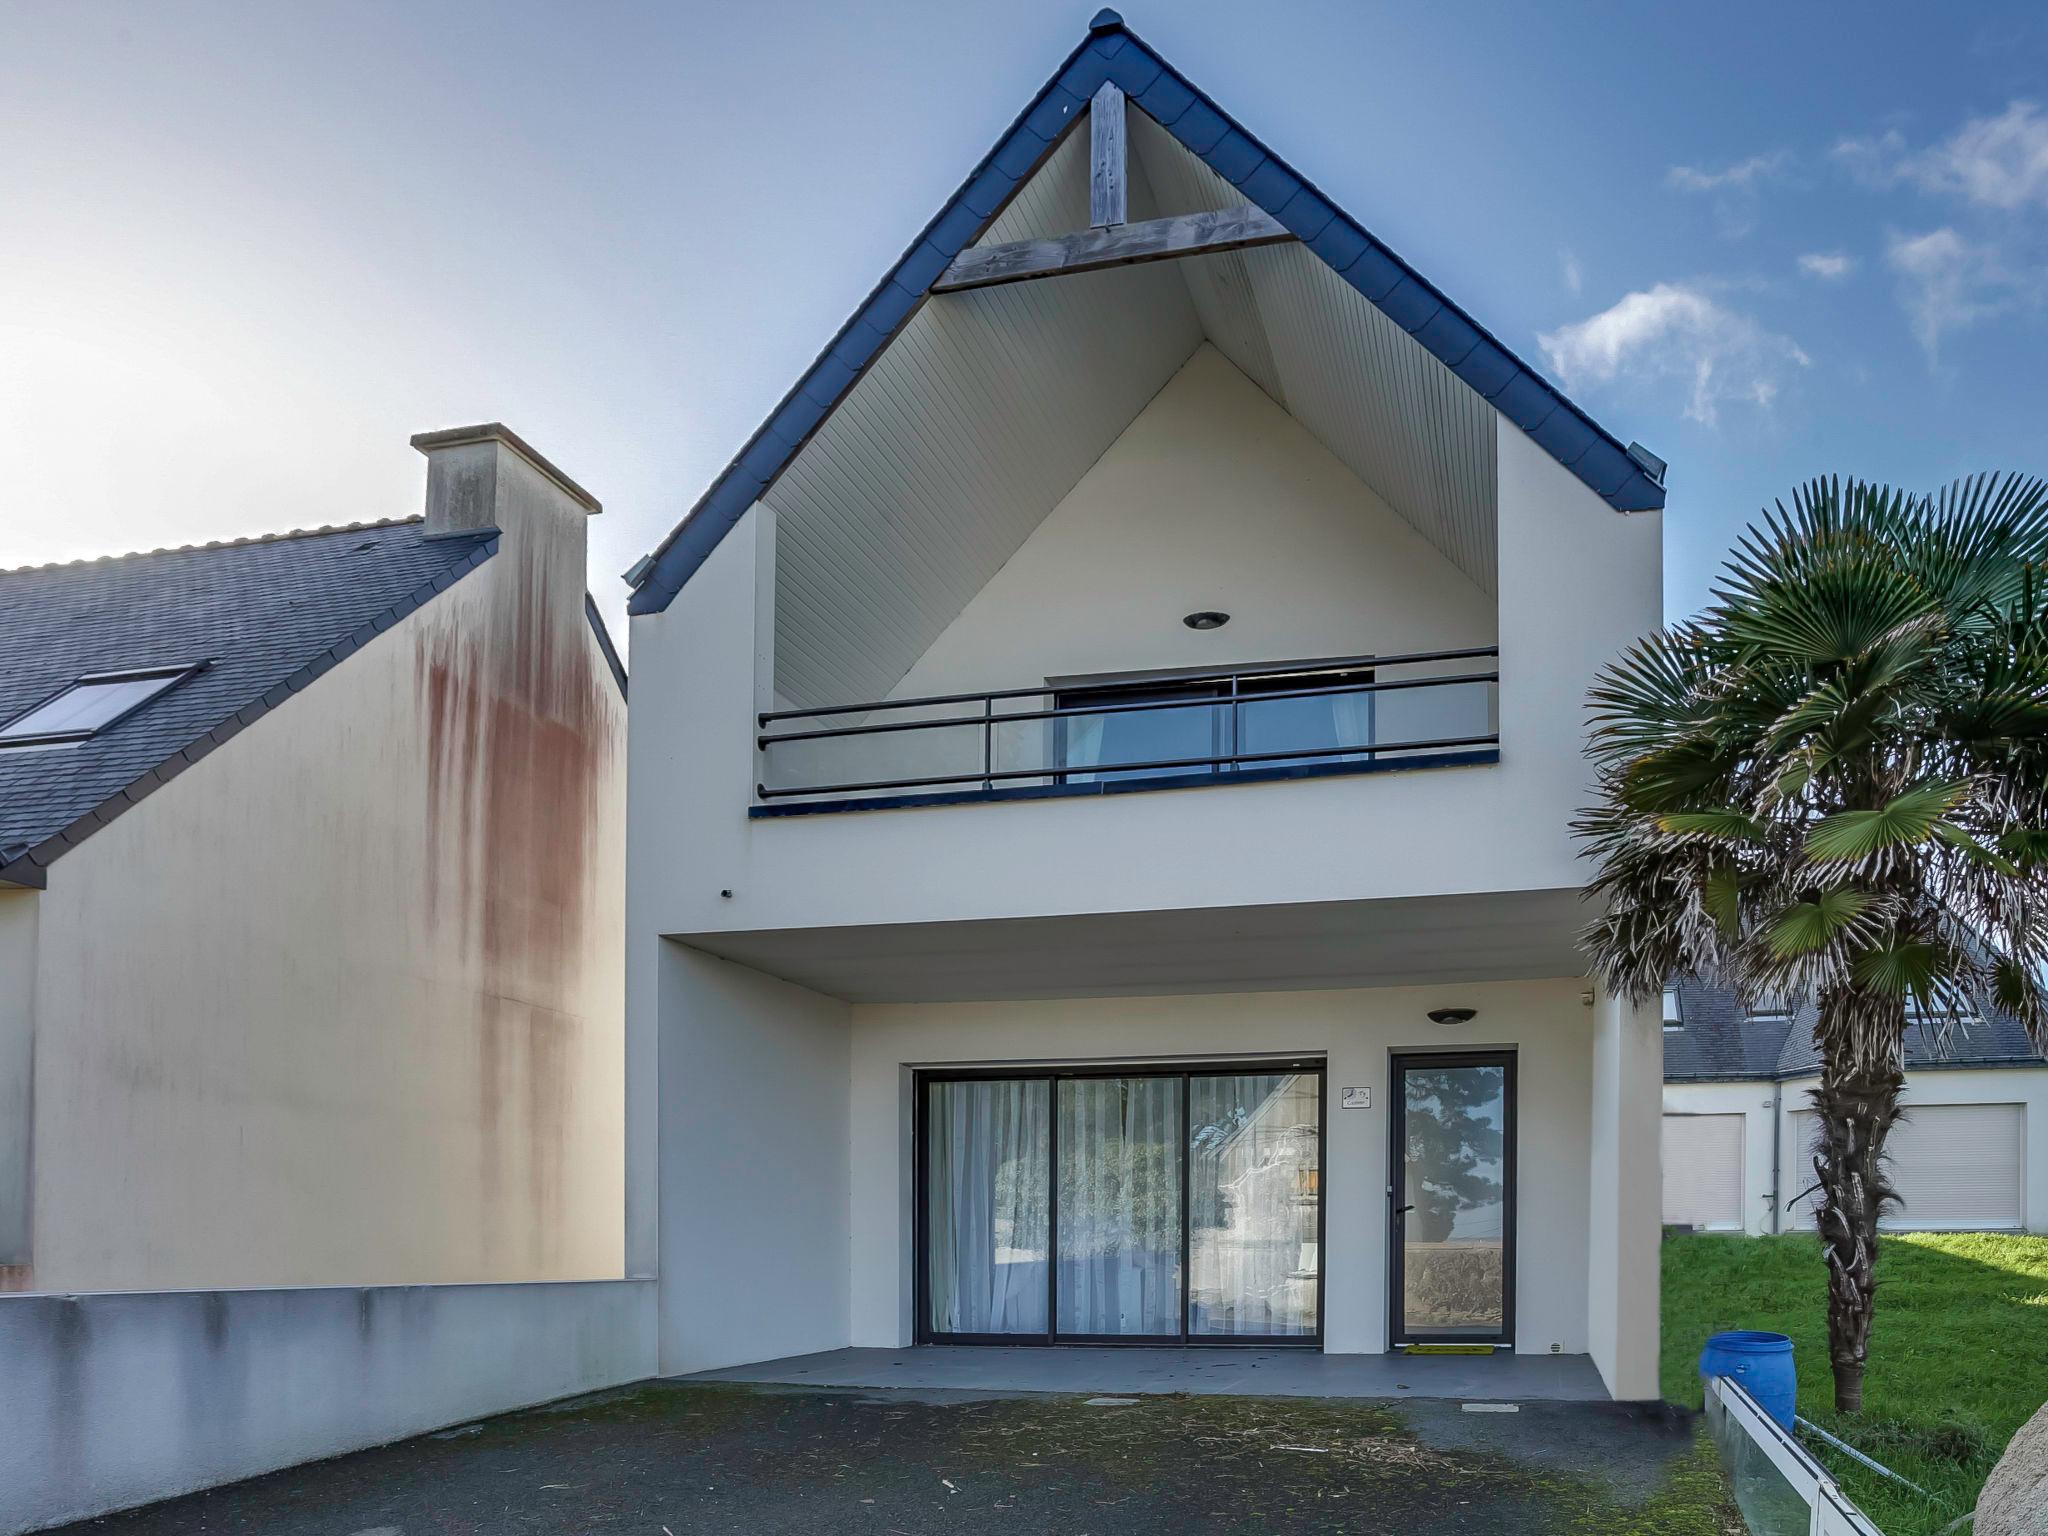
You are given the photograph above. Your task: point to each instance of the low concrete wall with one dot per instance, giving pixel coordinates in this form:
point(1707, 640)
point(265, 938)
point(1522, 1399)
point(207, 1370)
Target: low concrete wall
point(117, 1399)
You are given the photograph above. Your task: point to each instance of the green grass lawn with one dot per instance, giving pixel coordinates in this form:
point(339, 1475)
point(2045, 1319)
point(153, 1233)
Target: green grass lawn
point(1958, 1353)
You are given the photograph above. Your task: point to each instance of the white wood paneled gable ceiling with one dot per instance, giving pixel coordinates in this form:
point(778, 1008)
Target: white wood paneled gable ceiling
point(992, 403)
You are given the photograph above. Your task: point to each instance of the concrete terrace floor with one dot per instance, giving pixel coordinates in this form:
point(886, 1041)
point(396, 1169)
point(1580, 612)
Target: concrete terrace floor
point(677, 1458)
point(1232, 1371)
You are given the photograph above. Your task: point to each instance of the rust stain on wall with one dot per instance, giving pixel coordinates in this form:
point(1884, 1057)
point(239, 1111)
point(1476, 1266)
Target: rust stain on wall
point(521, 722)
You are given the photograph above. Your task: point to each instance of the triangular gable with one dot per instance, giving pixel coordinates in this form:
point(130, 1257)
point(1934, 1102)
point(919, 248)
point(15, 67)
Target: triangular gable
point(1112, 53)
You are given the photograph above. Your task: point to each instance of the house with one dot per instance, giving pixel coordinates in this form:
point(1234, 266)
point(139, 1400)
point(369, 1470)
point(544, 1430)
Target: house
point(1101, 772)
point(311, 902)
point(1970, 1154)
point(312, 1093)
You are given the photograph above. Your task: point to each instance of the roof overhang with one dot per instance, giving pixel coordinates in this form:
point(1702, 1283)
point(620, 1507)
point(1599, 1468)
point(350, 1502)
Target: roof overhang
point(1112, 54)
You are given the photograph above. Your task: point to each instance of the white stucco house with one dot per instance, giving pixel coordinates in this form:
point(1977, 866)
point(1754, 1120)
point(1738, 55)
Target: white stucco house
point(1102, 760)
point(1970, 1155)
point(312, 1062)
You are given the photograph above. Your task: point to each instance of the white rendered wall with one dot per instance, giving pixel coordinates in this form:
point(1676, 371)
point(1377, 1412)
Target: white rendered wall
point(1625, 1226)
point(1213, 497)
point(1753, 1101)
point(754, 1180)
point(1767, 1135)
point(2027, 1086)
point(1356, 1029)
point(115, 1400)
point(342, 1003)
point(1578, 583)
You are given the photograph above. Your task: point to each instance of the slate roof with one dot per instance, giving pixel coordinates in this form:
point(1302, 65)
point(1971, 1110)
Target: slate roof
point(268, 614)
point(1112, 52)
point(1720, 1044)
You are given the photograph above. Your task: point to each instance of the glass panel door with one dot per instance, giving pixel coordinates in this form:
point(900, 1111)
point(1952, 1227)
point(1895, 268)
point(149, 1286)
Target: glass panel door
point(1119, 1206)
point(1072, 1206)
point(1254, 1204)
point(987, 1211)
point(1453, 1206)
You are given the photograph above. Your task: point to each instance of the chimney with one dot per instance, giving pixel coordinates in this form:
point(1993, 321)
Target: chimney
point(487, 477)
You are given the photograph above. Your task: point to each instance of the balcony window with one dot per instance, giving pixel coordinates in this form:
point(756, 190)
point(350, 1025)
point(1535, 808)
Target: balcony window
point(1277, 714)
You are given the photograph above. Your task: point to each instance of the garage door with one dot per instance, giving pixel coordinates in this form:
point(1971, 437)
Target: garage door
point(1957, 1166)
point(1703, 1171)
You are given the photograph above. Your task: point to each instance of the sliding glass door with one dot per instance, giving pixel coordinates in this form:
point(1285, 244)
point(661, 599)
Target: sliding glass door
point(1255, 1205)
point(986, 1267)
point(1138, 1205)
point(1120, 1207)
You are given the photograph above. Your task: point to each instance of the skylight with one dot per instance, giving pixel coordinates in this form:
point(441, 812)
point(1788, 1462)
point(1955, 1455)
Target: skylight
point(1674, 1015)
point(89, 706)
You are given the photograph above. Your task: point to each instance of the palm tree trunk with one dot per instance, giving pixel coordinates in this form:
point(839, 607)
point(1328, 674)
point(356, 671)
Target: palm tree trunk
point(1857, 1110)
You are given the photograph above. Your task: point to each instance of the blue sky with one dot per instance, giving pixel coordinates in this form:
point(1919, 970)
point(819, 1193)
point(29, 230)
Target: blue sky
point(247, 250)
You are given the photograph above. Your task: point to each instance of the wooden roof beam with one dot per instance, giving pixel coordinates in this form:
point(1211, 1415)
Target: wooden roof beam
point(1120, 245)
point(1108, 184)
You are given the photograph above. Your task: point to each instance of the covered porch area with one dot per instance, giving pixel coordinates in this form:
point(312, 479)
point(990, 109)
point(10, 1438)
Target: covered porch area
point(1247, 1150)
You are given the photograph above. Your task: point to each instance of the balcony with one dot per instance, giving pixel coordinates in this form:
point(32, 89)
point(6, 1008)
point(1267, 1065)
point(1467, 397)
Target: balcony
point(1123, 732)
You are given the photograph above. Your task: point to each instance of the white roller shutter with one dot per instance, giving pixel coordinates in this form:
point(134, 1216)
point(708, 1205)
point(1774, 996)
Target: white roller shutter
point(1958, 1167)
point(1703, 1171)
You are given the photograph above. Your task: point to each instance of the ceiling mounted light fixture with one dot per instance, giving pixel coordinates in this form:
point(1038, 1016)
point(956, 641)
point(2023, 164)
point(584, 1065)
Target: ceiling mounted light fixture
point(1448, 1016)
point(1208, 618)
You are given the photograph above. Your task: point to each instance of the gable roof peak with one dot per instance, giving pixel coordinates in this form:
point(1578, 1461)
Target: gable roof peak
point(1113, 54)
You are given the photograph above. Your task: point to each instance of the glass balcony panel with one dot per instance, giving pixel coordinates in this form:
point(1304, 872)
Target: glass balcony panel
point(1168, 728)
point(1312, 725)
point(950, 745)
point(1448, 712)
point(1097, 748)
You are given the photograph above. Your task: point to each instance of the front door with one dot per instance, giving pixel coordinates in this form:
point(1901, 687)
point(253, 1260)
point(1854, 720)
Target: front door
point(1452, 1198)
point(1138, 1205)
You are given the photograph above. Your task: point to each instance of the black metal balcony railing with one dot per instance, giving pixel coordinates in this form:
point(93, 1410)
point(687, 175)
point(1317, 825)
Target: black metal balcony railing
point(1345, 711)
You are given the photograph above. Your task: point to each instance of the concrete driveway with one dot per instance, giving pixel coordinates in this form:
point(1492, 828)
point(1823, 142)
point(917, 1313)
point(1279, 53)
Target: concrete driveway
point(687, 1457)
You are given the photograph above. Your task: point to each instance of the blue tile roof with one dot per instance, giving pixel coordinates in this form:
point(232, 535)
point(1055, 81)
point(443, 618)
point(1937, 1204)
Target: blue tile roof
point(1112, 52)
point(268, 615)
point(1720, 1043)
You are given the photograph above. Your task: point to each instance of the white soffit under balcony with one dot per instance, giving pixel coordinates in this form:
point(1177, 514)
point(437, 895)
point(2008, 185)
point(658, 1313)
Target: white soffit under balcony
point(991, 404)
point(1495, 936)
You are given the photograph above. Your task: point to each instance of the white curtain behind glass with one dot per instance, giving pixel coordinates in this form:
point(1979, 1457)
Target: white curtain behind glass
point(1119, 1242)
point(988, 1145)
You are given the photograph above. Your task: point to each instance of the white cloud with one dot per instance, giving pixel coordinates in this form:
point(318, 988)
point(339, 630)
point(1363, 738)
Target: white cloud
point(1946, 282)
point(1568, 265)
point(1743, 173)
point(1994, 162)
point(1874, 160)
point(1734, 188)
point(1997, 162)
point(1827, 265)
point(1676, 331)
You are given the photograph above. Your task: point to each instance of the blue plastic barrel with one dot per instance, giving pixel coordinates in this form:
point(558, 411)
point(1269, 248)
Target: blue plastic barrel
point(1762, 1362)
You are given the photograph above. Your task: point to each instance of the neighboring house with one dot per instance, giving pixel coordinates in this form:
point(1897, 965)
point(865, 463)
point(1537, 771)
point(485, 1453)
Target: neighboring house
point(1970, 1154)
point(1103, 759)
point(311, 903)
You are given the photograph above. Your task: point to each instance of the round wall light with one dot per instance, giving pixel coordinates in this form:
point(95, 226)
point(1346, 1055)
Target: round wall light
point(1450, 1016)
point(1208, 618)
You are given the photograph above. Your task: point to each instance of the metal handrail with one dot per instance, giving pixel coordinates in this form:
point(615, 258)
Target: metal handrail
point(1294, 754)
point(1335, 664)
point(1064, 712)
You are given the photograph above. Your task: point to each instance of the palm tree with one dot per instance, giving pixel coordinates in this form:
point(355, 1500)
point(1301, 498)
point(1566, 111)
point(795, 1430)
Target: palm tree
point(1833, 785)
